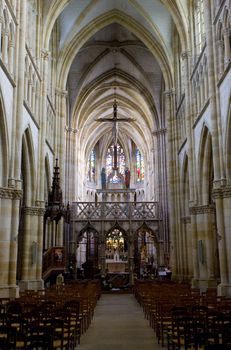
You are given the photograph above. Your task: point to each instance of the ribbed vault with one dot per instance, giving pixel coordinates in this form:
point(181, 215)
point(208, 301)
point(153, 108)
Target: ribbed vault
point(116, 50)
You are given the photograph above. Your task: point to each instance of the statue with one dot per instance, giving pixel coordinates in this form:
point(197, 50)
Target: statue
point(103, 178)
point(127, 178)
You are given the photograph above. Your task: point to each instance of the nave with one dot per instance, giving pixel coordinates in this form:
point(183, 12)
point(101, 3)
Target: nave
point(119, 324)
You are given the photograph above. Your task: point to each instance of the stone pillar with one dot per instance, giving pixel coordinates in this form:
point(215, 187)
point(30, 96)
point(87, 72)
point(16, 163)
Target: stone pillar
point(204, 246)
point(222, 241)
point(71, 167)
point(11, 196)
point(187, 261)
point(210, 243)
point(9, 218)
point(220, 59)
point(1, 22)
point(172, 178)
point(194, 248)
point(162, 197)
point(217, 156)
point(11, 57)
point(32, 246)
point(42, 134)
point(5, 39)
point(193, 233)
point(15, 171)
point(60, 133)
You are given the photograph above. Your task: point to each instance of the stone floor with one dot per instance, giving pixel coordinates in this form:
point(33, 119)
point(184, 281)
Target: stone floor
point(119, 324)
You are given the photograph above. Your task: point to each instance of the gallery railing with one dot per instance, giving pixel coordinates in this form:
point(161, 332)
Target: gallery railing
point(135, 211)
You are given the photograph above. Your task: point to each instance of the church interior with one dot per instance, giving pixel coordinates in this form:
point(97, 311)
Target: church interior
point(115, 147)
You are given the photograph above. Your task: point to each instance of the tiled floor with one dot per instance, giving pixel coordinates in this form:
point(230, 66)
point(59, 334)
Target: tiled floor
point(119, 324)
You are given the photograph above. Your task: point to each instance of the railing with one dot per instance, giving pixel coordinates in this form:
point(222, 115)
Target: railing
point(135, 211)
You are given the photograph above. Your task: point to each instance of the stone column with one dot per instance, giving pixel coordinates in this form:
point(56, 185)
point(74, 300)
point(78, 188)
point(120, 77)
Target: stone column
point(190, 223)
point(210, 242)
point(71, 168)
point(9, 218)
point(220, 59)
point(39, 258)
point(42, 134)
point(204, 265)
point(15, 171)
point(169, 112)
point(217, 157)
point(160, 140)
point(31, 268)
point(222, 244)
point(194, 247)
point(10, 211)
point(11, 57)
point(184, 244)
point(188, 256)
point(1, 22)
point(5, 39)
point(60, 133)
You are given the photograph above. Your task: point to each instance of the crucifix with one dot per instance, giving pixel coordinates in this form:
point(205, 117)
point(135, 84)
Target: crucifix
point(115, 130)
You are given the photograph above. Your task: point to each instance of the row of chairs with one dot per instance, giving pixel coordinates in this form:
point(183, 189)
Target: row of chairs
point(51, 319)
point(184, 318)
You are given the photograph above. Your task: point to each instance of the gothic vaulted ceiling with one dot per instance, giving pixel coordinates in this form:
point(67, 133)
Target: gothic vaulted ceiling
point(116, 49)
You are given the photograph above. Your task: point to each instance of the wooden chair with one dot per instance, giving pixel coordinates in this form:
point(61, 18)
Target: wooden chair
point(217, 347)
point(60, 338)
point(40, 338)
point(73, 309)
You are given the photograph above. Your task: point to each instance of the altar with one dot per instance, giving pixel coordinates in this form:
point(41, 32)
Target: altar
point(113, 266)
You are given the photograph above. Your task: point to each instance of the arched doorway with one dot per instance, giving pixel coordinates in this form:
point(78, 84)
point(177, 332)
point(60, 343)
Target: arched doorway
point(146, 253)
point(116, 257)
point(87, 256)
point(116, 251)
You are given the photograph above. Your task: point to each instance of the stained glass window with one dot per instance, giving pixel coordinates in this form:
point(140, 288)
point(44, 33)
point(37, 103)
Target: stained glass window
point(139, 166)
point(91, 166)
point(110, 162)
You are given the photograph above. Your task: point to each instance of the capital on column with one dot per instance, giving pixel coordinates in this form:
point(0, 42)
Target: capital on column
point(170, 93)
point(185, 54)
point(45, 54)
point(61, 93)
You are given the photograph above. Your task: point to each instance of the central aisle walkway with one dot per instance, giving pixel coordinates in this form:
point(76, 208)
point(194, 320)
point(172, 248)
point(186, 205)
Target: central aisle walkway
point(119, 324)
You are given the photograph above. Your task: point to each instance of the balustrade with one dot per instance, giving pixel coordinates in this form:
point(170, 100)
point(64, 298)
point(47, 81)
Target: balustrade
point(136, 211)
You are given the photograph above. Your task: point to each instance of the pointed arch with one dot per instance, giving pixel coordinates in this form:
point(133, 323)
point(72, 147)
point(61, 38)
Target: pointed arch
point(117, 226)
point(205, 162)
point(4, 146)
point(28, 168)
point(145, 228)
point(88, 228)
